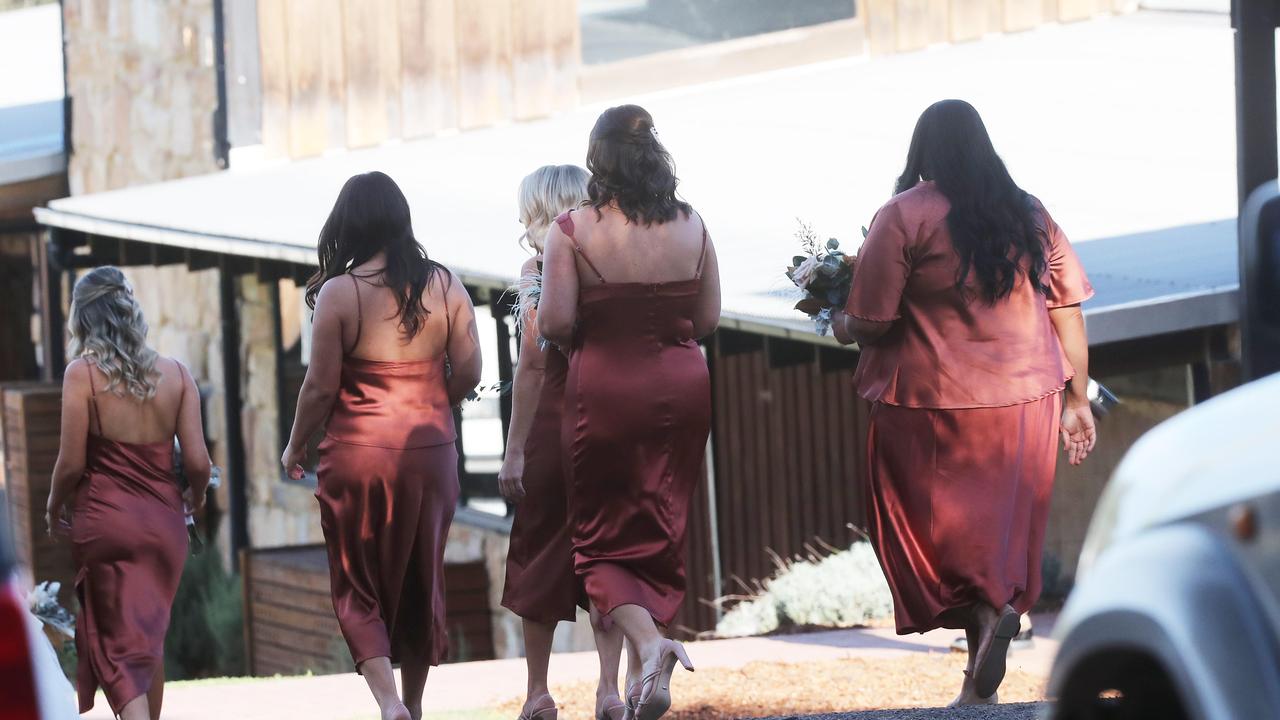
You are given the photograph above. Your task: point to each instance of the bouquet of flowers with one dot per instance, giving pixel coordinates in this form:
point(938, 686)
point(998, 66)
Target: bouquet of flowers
point(43, 600)
point(823, 273)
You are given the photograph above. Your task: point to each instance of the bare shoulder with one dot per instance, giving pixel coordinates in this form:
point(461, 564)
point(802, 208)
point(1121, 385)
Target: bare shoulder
point(337, 291)
point(75, 378)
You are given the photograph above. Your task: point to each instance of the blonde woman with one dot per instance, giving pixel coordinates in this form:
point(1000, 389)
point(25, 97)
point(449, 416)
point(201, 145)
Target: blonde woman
point(541, 587)
point(114, 491)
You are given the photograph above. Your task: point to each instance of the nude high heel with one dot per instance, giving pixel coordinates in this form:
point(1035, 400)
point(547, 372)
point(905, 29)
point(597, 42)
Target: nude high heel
point(655, 689)
point(614, 711)
point(546, 713)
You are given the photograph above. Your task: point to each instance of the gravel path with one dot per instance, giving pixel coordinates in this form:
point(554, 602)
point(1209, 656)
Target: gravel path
point(1011, 711)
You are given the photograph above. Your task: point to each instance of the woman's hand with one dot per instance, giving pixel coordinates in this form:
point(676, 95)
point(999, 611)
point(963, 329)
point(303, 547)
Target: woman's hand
point(194, 502)
point(510, 482)
point(292, 459)
point(57, 519)
point(1079, 434)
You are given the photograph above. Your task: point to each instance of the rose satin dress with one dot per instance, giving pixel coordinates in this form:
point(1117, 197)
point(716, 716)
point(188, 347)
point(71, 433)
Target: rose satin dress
point(962, 439)
point(129, 544)
point(387, 488)
point(541, 584)
point(637, 413)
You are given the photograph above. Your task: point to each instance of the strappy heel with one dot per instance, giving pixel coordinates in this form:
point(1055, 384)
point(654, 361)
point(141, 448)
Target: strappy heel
point(616, 711)
point(546, 713)
point(990, 671)
point(633, 699)
point(657, 701)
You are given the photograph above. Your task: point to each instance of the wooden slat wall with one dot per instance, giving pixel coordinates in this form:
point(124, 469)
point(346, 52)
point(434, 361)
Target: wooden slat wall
point(32, 414)
point(789, 438)
point(905, 25)
point(291, 628)
point(355, 73)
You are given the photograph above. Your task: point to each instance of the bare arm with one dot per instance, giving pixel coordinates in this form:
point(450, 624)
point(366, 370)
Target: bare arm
point(320, 386)
point(558, 308)
point(196, 465)
point(463, 349)
point(707, 316)
point(69, 467)
point(527, 388)
point(1079, 433)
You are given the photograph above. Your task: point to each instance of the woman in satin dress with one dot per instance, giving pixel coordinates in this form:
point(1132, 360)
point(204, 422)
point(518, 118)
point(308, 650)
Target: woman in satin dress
point(631, 284)
point(966, 303)
point(394, 349)
point(540, 585)
point(115, 493)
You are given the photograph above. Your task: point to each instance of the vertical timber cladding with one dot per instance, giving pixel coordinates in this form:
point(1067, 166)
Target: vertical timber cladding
point(355, 73)
point(789, 433)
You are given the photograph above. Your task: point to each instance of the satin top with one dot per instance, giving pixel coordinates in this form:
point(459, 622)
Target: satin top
point(947, 349)
point(392, 404)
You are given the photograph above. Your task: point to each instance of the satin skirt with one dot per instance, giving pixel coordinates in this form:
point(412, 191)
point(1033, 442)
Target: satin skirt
point(386, 514)
point(958, 503)
point(129, 544)
point(540, 583)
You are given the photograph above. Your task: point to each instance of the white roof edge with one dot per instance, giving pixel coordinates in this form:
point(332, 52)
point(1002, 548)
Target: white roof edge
point(32, 167)
point(1128, 321)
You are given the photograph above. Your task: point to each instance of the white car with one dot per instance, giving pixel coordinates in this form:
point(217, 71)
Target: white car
point(1176, 609)
point(32, 686)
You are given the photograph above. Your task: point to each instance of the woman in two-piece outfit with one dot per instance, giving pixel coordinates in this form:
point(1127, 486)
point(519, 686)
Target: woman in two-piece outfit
point(966, 302)
point(394, 349)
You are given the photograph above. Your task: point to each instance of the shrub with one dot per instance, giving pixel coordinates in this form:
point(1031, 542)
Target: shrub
point(844, 589)
point(206, 627)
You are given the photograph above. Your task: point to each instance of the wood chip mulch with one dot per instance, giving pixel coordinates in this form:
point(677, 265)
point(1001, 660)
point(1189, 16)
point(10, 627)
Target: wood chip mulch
point(762, 689)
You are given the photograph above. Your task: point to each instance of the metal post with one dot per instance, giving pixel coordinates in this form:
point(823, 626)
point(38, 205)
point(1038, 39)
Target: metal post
point(237, 480)
point(500, 305)
point(52, 324)
point(1254, 22)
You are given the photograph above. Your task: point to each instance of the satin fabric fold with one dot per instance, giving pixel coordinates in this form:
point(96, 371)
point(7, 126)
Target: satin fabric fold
point(387, 486)
point(637, 416)
point(540, 582)
point(959, 501)
point(129, 545)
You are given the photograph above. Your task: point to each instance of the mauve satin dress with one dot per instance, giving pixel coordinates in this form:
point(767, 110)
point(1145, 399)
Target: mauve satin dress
point(962, 439)
point(540, 583)
point(637, 413)
point(129, 544)
point(387, 484)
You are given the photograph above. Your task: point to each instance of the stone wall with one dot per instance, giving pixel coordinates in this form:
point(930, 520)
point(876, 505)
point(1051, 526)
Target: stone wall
point(143, 90)
point(280, 512)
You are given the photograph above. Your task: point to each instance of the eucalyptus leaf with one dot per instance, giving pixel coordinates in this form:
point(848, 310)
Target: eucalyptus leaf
point(864, 232)
point(833, 244)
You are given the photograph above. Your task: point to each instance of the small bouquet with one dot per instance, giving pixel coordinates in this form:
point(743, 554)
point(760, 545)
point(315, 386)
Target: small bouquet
point(824, 274)
point(43, 601)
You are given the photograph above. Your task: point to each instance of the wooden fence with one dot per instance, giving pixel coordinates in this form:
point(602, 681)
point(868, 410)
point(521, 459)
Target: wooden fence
point(354, 73)
point(905, 25)
point(32, 413)
point(290, 627)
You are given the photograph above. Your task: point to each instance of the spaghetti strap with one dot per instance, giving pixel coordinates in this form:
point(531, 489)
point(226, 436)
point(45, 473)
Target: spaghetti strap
point(93, 397)
point(359, 314)
point(565, 221)
point(702, 254)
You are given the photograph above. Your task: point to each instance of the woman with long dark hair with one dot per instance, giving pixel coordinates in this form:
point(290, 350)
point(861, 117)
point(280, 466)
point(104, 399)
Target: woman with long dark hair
point(114, 491)
point(966, 302)
point(393, 350)
point(540, 585)
point(631, 283)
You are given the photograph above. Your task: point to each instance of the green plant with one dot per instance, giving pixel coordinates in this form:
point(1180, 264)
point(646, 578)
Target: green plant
point(206, 626)
point(843, 589)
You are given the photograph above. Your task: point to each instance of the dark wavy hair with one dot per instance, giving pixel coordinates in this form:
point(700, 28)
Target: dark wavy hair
point(631, 169)
point(993, 222)
point(371, 215)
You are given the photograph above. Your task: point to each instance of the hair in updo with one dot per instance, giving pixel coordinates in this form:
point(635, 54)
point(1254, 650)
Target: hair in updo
point(631, 169)
point(107, 329)
point(544, 194)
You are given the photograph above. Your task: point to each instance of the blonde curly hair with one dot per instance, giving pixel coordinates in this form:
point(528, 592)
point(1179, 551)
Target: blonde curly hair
point(107, 328)
point(544, 194)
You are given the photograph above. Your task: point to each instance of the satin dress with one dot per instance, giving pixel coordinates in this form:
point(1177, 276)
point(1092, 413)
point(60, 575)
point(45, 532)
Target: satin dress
point(540, 583)
point(387, 485)
point(637, 414)
point(129, 545)
point(966, 402)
